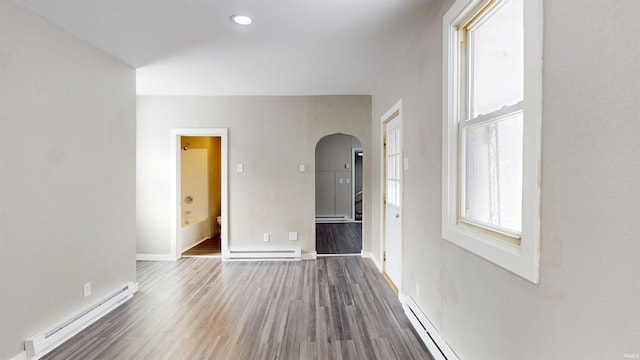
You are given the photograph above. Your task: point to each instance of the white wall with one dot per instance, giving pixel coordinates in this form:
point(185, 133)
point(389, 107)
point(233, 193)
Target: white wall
point(334, 151)
point(333, 197)
point(586, 305)
point(270, 136)
point(67, 163)
point(194, 183)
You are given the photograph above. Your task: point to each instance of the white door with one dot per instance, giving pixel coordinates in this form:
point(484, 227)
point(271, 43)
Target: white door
point(393, 202)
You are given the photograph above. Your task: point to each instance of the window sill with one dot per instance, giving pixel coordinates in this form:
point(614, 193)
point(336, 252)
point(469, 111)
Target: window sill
point(502, 252)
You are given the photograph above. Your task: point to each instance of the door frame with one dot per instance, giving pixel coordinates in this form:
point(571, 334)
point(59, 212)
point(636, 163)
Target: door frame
point(175, 185)
point(387, 117)
point(354, 153)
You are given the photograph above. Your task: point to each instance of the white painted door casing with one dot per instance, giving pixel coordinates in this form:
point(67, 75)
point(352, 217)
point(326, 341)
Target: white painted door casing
point(393, 201)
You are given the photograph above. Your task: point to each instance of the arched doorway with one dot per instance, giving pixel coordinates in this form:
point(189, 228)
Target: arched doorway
point(338, 178)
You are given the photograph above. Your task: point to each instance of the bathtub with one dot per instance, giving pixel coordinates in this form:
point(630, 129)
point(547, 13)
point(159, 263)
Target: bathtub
point(194, 231)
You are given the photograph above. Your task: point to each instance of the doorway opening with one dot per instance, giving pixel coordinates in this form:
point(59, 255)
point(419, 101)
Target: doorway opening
point(339, 196)
point(392, 197)
point(357, 192)
point(199, 188)
point(200, 194)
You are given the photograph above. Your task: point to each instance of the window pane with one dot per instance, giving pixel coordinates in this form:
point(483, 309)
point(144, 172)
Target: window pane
point(393, 167)
point(493, 173)
point(497, 60)
point(393, 179)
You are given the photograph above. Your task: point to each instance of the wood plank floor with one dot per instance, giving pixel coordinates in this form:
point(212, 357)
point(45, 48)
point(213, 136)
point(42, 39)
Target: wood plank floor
point(202, 308)
point(206, 248)
point(343, 238)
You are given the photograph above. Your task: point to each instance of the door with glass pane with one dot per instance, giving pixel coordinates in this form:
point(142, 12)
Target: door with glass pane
point(393, 202)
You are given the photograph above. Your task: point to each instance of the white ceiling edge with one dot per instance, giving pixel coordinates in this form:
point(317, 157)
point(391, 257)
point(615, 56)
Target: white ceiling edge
point(191, 48)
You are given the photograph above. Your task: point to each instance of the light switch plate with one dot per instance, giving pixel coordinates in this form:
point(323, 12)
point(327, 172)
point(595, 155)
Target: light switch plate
point(293, 236)
point(240, 168)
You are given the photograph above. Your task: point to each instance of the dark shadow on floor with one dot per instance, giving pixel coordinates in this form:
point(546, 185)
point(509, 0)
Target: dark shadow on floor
point(343, 238)
point(206, 248)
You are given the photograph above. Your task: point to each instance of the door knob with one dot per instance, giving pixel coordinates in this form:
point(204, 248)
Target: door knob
point(397, 216)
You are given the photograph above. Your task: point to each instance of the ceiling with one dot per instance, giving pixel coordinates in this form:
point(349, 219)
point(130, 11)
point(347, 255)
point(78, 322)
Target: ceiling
point(293, 47)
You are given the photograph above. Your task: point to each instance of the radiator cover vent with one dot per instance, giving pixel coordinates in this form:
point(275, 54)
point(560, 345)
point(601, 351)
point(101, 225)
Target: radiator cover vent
point(39, 345)
point(429, 335)
point(265, 255)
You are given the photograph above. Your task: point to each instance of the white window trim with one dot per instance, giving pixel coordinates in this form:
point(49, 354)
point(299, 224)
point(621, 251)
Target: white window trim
point(522, 259)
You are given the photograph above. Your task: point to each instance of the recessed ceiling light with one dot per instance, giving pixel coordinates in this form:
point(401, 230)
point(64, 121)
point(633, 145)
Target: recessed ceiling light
point(241, 19)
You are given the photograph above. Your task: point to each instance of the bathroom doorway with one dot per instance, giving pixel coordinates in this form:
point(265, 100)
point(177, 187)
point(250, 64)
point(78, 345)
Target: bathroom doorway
point(200, 165)
point(200, 188)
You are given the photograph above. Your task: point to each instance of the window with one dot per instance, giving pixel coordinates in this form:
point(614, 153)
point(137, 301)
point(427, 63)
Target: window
point(491, 130)
point(490, 126)
point(393, 168)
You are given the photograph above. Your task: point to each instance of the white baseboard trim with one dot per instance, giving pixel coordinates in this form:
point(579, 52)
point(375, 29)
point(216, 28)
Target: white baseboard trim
point(369, 255)
point(312, 255)
point(265, 255)
point(427, 332)
point(50, 338)
point(337, 255)
point(20, 356)
point(154, 257)
point(332, 219)
point(309, 255)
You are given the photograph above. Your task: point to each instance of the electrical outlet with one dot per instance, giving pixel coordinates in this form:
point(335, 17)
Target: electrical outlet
point(265, 237)
point(87, 289)
point(293, 236)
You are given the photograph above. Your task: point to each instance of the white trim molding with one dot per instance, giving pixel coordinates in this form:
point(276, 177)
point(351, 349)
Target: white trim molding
point(436, 345)
point(311, 255)
point(154, 257)
point(20, 356)
point(174, 185)
point(521, 259)
point(50, 338)
point(304, 255)
point(395, 111)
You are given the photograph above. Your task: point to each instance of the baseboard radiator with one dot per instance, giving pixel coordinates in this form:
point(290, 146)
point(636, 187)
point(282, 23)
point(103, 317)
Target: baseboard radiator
point(265, 255)
point(41, 344)
point(331, 219)
point(436, 345)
